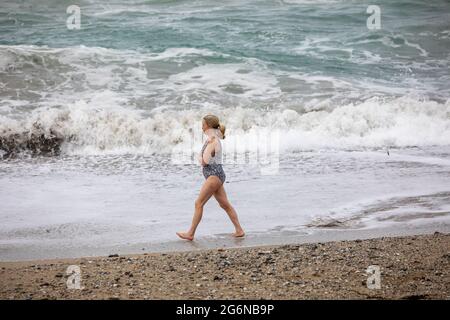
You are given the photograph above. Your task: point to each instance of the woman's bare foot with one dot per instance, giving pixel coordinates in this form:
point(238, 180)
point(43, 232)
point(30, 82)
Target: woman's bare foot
point(185, 236)
point(239, 234)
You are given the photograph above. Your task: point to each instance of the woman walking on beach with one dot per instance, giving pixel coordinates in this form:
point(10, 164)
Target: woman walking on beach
point(211, 160)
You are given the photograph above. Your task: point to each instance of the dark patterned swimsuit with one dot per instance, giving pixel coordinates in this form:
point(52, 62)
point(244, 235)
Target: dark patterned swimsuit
point(214, 168)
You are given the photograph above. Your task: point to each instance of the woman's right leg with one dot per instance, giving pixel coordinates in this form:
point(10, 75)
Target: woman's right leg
point(222, 199)
point(209, 187)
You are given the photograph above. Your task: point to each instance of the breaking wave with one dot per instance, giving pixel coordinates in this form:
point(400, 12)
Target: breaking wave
point(80, 129)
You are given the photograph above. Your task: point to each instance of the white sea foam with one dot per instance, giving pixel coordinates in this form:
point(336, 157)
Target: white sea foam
point(190, 75)
point(115, 101)
point(372, 124)
point(158, 78)
point(234, 78)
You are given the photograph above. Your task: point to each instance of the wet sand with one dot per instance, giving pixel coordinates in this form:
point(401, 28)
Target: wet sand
point(412, 267)
point(31, 251)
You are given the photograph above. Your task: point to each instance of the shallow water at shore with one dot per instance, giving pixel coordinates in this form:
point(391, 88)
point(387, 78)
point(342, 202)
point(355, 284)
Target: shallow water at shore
point(108, 201)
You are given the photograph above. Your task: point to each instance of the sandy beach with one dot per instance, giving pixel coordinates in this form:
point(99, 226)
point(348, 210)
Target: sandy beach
point(411, 267)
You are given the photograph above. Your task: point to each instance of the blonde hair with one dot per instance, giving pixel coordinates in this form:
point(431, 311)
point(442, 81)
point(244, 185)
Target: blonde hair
point(213, 122)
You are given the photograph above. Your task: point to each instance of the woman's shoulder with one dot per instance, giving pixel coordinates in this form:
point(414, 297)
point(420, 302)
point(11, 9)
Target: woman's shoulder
point(212, 140)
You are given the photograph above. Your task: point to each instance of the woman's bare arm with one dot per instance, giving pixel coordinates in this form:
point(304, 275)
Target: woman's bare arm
point(209, 151)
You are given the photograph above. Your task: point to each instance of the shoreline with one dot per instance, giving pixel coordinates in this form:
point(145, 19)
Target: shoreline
point(412, 267)
point(17, 253)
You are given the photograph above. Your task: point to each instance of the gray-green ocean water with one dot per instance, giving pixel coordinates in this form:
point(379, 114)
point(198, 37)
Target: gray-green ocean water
point(256, 63)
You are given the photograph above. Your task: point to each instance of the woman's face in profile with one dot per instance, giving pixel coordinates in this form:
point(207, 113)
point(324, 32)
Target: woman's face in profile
point(204, 126)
